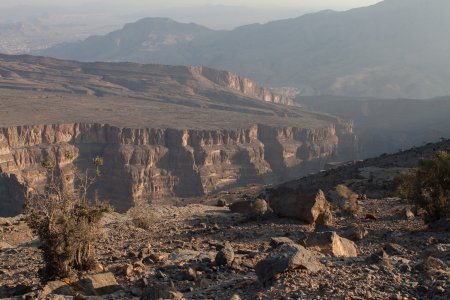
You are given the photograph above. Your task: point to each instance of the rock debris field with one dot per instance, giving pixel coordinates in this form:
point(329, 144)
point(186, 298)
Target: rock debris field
point(206, 251)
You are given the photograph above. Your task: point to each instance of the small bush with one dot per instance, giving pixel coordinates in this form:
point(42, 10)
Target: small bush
point(428, 186)
point(142, 217)
point(351, 199)
point(66, 223)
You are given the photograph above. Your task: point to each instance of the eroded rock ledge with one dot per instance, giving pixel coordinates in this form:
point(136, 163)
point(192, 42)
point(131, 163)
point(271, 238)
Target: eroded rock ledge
point(150, 163)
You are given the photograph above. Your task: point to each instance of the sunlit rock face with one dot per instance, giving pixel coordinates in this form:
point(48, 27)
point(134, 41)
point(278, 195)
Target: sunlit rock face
point(148, 164)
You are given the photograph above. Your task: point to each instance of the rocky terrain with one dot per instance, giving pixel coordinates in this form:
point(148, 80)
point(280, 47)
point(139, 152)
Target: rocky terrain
point(395, 48)
point(227, 247)
point(163, 131)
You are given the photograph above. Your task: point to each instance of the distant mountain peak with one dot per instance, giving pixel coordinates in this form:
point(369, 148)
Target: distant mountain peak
point(395, 48)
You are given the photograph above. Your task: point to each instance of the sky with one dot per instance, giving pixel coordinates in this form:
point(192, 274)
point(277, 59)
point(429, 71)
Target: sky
point(301, 4)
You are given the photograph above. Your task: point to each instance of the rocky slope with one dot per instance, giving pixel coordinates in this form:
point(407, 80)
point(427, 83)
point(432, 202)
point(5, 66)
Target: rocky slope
point(397, 257)
point(163, 131)
point(395, 48)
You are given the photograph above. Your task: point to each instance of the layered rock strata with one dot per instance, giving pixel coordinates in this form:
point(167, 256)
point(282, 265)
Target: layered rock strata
point(147, 164)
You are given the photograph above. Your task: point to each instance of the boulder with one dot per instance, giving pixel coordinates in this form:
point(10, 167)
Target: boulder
point(379, 257)
point(329, 242)
point(98, 284)
point(355, 232)
point(57, 288)
point(284, 258)
point(310, 207)
point(409, 215)
point(222, 203)
point(278, 241)
point(185, 255)
point(250, 207)
point(225, 256)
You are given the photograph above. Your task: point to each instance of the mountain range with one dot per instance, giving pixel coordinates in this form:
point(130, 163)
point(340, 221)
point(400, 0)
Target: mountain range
point(396, 48)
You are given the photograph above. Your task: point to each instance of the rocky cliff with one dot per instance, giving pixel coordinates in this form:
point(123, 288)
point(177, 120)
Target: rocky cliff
point(241, 84)
point(154, 163)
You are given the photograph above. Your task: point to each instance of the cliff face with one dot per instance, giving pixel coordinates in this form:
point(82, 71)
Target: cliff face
point(150, 164)
point(240, 84)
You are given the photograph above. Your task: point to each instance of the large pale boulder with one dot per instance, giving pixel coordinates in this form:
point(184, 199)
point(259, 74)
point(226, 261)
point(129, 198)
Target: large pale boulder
point(329, 242)
point(284, 258)
point(310, 207)
point(98, 284)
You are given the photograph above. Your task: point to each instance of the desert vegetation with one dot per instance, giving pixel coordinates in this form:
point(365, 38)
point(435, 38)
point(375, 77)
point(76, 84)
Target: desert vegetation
point(428, 185)
point(65, 221)
point(351, 205)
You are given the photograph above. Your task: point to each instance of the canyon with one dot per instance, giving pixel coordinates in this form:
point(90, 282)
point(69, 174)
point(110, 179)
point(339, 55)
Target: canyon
point(163, 131)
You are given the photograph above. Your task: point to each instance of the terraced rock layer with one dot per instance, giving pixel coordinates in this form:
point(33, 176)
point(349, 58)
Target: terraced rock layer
point(163, 131)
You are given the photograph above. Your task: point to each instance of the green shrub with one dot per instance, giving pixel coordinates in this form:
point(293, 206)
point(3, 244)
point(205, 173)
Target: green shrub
point(428, 185)
point(66, 223)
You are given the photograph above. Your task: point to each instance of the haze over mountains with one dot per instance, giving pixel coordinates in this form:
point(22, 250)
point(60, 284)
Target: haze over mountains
point(27, 28)
point(396, 48)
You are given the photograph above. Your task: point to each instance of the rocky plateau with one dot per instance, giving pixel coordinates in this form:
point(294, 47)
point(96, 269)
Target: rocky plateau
point(163, 131)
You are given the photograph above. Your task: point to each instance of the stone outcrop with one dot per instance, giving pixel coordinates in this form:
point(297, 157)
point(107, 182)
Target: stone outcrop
point(147, 164)
point(310, 207)
point(284, 258)
point(240, 84)
point(330, 243)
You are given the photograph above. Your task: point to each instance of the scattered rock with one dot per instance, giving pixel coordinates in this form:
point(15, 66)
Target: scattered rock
point(394, 249)
point(190, 274)
point(161, 291)
point(409, 214)
point(98, 284)
point(249, 207)
point(225, 256)
point(127, 270)
point(278, 241)
point(284, 258)
point(355, 232)
point(185, 255)
point(330, 243)
point(235, 297)
point(222, 203)
point(306, 206)
point(370, 217)
point(380, 257)
point(145, 252)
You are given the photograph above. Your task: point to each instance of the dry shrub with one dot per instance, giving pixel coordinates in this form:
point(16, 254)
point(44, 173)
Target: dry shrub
point(351, 199)
point(66, 223)
point(142, 216)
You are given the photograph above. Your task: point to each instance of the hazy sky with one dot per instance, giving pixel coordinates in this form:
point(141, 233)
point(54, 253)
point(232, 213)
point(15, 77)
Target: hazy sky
point(314, 4)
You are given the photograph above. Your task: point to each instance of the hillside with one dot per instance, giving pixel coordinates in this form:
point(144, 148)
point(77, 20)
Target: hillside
point(164, 131)
point(396, 48)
